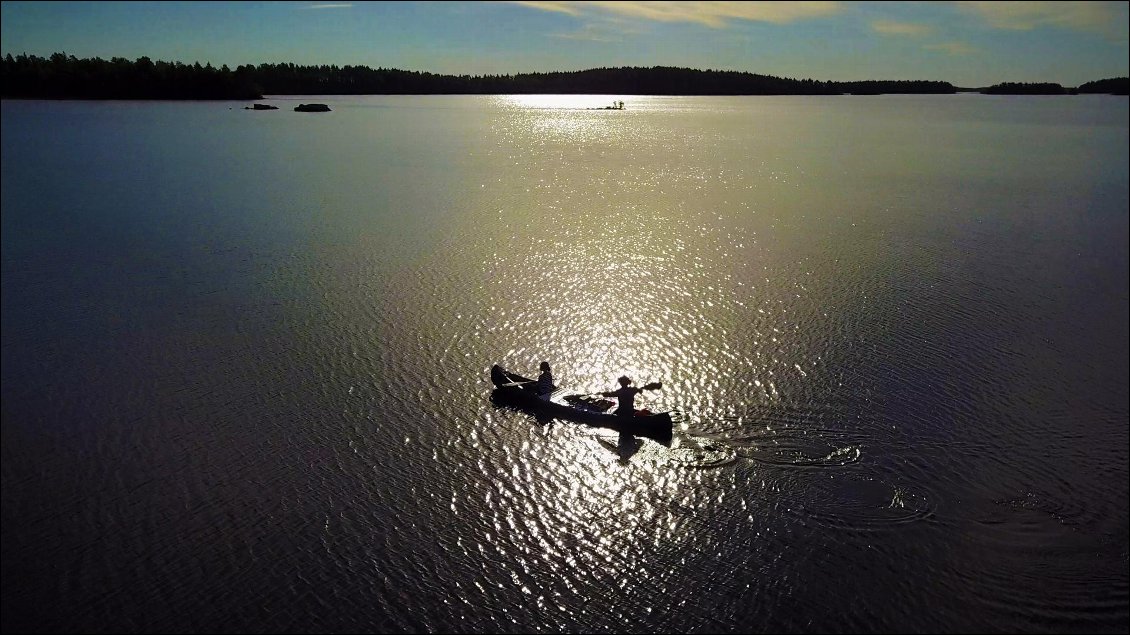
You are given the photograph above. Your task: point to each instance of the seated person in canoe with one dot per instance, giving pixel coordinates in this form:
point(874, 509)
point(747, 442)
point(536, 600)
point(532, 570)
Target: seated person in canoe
point(626, 395)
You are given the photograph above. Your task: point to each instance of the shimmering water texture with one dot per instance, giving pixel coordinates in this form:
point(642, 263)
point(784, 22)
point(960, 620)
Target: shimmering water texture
point(246, 365)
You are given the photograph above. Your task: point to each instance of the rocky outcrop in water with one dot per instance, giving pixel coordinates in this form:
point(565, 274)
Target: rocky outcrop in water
point(312, 108)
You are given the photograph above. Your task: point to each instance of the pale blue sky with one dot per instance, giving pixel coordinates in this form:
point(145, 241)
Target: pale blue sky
point(966, 43)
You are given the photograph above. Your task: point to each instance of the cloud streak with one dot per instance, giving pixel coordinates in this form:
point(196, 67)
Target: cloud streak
point(555, 7)
point(890, 27)
point(1095, 17)
point(715, 15)
point(586, 36)
point(599, 32)
point(953, 48)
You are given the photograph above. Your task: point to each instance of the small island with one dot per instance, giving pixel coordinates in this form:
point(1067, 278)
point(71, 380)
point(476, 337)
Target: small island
point(311, 108)
point(616, 105)
point(260, 107)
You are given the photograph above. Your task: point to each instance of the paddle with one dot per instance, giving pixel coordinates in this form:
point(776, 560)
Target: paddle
point(655, 385)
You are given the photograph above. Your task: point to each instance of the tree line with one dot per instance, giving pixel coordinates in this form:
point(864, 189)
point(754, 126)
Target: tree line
point(1112, 86)
point(1021, 88)
point(63, 76)
point(66, 77)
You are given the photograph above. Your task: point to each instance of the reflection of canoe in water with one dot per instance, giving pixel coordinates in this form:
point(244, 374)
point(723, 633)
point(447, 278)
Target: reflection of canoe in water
point(520, 391)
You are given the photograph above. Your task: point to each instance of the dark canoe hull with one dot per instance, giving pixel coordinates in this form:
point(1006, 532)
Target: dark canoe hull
point(511, 389)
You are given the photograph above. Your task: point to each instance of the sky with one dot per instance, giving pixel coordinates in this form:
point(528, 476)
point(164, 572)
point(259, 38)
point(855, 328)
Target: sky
point(970, 44)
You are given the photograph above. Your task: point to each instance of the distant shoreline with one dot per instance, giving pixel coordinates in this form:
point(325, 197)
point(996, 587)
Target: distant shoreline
point(67, 77)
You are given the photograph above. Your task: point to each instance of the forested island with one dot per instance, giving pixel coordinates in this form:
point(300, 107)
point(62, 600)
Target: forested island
point(63, 76)
point(1113, 86)
point(1017, 88)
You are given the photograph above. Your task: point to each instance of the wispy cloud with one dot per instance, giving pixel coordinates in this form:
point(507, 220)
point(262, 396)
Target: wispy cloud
point(609, 30)
point(1097, 17)
point(953, 48)
point(890, 27)
point(328, 6)
point(588, 34)
point(557, 7)
point(712, 14)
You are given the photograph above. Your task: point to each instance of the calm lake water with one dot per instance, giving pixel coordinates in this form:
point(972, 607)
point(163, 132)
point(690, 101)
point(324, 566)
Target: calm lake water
point(245, 364)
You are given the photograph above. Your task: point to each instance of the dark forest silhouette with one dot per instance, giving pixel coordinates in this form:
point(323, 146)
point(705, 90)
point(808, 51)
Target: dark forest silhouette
point(1113, 86)
point(1016, 88)
point(67, 77)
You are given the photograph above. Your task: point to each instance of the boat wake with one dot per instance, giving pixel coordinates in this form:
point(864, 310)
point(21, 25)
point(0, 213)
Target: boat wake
point(780, 446)
point(862, 503)
point(798, 448)
point(700, 452)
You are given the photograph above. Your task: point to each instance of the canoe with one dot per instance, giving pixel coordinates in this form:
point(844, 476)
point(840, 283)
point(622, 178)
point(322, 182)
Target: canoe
point(514, 389)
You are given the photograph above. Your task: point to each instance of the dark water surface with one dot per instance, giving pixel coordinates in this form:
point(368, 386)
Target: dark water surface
point(245, 364)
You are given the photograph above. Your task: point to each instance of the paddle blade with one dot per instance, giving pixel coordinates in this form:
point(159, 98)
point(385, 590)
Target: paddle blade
point(655, 385)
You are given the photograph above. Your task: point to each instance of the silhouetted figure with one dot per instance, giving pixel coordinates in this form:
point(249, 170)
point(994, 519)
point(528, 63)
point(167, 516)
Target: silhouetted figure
point(545, 381)
point(626, 395)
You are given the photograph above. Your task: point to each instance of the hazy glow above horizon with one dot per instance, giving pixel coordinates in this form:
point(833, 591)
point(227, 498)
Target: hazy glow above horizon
point(966, 43)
